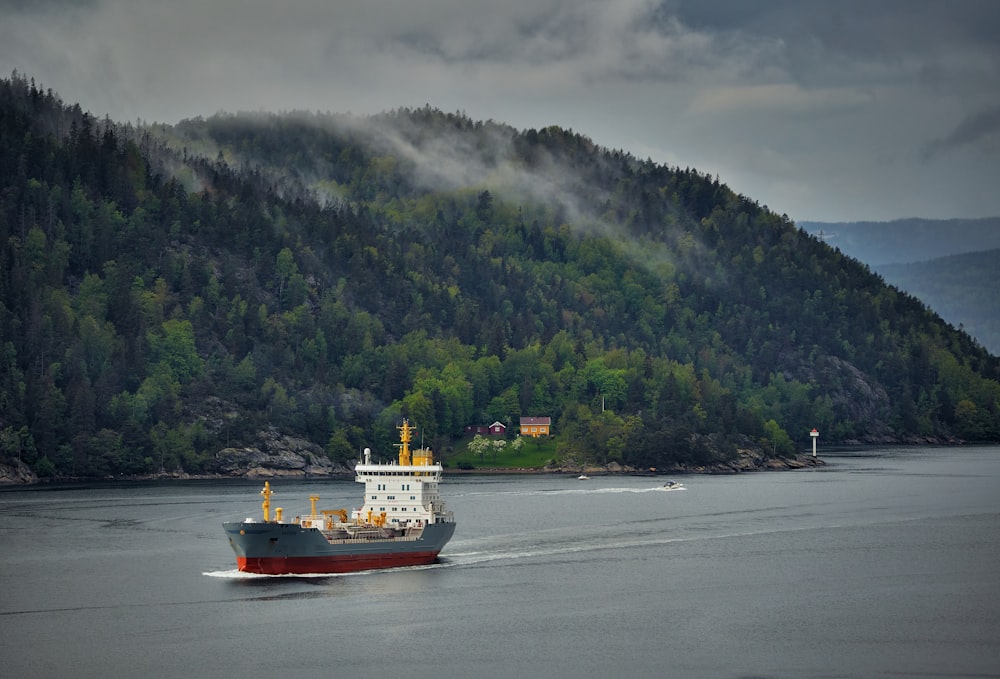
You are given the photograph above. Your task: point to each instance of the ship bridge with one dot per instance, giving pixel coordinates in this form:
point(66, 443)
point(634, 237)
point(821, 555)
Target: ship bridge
point(405, 492)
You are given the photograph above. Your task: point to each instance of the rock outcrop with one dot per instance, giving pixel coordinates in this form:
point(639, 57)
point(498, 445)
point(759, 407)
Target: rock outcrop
point(274, 455)
point(16, 472)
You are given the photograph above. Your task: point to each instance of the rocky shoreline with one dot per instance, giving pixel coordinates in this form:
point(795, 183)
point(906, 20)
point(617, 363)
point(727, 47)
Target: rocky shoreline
point(746, 462)
point(281, 456)
point(277, 455)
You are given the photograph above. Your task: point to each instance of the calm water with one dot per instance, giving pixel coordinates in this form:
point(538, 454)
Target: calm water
point(884, 565)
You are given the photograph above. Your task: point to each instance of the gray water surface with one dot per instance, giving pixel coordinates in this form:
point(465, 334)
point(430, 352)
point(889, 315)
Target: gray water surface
point(885, 564)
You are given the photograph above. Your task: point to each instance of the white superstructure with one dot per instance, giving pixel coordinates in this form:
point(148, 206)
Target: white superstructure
point(404, 493)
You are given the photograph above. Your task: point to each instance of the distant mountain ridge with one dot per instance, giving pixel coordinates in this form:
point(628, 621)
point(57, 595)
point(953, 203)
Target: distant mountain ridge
point(964, 289)
point(951, 265)
point(903, 241)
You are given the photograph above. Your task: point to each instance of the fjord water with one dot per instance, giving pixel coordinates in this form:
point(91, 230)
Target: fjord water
point(885, 564)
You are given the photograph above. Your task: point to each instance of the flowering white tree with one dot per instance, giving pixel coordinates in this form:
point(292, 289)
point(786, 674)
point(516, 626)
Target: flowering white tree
point(498, 446)
point(478, 446)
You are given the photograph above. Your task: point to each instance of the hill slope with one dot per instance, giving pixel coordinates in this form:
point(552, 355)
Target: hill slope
point(170, 292)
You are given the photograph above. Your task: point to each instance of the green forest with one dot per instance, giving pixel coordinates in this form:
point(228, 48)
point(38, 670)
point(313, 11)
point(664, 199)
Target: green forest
point(167, 291)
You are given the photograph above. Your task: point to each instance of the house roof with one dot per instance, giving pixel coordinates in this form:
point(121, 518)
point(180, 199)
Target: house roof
point(536, 420)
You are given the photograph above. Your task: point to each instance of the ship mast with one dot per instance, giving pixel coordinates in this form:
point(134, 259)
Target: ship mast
point(266, 504)
point(405, 436)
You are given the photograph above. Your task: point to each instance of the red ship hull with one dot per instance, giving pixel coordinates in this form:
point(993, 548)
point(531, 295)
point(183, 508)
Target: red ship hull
point(301, 565)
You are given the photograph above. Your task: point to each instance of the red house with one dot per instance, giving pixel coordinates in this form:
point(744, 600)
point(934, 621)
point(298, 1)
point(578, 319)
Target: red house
point(495, 429)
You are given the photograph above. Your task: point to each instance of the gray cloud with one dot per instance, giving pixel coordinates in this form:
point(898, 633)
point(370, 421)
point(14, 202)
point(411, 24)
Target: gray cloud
point(982, 127)
point(822, 110)
point(42, 6)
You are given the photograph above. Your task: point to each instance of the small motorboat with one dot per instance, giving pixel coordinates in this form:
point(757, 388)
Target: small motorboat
point(583, 477)
point(672, 485)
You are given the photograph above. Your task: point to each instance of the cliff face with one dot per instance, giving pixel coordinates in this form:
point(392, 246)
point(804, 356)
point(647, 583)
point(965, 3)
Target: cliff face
point(272, 454)
point(861, 397)
point(16, 473)
point(277, 454)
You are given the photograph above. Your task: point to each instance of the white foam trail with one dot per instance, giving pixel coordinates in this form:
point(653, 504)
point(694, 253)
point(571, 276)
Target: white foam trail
point(235, 574)
point(470, 558)
point(573, 491)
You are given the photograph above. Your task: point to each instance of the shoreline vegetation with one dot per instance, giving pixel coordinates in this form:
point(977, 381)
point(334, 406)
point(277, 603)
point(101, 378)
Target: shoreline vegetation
point(16, 473)
point(278, 455)
point(275, 454)
point(287, 457)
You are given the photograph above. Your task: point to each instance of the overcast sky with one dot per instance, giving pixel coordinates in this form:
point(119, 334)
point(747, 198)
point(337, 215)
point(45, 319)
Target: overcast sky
point(826, 110)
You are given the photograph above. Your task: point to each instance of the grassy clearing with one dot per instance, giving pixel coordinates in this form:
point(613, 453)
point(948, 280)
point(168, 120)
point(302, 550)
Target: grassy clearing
point(534, 454)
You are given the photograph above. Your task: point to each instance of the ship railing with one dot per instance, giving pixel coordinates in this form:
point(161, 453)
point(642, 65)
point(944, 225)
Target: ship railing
point(367, 537)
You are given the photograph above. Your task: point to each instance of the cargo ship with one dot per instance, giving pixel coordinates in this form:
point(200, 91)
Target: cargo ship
point(403, 522)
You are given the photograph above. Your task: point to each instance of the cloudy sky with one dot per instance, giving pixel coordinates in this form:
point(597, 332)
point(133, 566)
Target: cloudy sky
point(826, 110)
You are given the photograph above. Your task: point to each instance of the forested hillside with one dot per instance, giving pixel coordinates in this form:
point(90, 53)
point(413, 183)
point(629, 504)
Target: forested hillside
point(169, 291)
